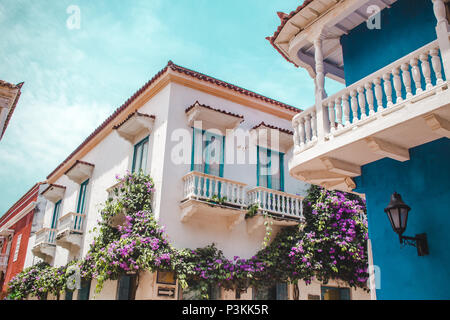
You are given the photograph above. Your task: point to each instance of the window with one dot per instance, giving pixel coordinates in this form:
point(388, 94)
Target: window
point(208, 152)
point(140, 156)
point(83, 293)
point(276, 292)
point(270, 169)
point(82, 197)
point(56, 213)
point(214, 293)
point(16, 252)
point(68, 295)
point(126, 287)
point(332, 293)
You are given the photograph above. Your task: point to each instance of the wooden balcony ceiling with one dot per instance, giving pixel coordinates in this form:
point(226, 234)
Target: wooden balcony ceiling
point(294, 37)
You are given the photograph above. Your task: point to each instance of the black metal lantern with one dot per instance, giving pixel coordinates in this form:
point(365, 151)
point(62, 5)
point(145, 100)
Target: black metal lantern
point(397, 212)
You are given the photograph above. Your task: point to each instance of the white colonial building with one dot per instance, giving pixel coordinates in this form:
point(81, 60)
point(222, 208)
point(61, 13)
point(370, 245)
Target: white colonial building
point(162, 129)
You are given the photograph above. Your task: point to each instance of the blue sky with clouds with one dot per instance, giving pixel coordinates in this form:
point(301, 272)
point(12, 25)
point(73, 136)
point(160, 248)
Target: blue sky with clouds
point(75, 78)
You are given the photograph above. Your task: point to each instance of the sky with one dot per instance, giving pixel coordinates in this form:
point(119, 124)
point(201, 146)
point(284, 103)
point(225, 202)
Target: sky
point(76, 77)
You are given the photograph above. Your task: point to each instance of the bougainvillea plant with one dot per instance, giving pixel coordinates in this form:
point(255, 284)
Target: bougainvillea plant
point(330, 245)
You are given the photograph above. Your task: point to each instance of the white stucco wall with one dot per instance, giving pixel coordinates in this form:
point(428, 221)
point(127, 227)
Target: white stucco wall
point(113, 155)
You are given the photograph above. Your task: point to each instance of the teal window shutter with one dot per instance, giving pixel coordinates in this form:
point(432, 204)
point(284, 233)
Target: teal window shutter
point(266, 161)
point(56, 212)
point(68, 295)
point(83, 293)
point(140, 156)
point(126, 287)
point(281, 171)
point(281, 291)
point(208, 152)
point(82, 197)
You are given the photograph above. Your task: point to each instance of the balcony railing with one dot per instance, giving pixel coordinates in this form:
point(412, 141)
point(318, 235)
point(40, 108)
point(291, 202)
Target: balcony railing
point(73, 222)
point(221, 191)
point(45, 236)
point(407, 80)
point(3, 261)
point(276, 202)
point(201, 186)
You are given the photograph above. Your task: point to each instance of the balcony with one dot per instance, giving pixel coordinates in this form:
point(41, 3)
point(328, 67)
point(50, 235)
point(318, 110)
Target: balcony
point(44, 244)
point(403, 105)
point(208, 197)
point(280, 208)
point(3, 261)
point(70, 231)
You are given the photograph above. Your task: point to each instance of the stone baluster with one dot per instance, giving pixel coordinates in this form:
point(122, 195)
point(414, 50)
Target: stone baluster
point(426, 70)
point(301, 131)
point(332, 115)
point(406, 76)
point(397, 85)
point(417, 76)
point(388, 89)
point(436, 63)
point(378, 93)
point(369, 96)
point(354, 105)
point(362, 101)
point(308, 127)
point(339, 112)
point(313, 126)
point(346, 109)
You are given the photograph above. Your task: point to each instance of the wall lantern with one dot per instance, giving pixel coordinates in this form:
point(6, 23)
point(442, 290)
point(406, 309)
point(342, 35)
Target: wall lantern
point(397, 212)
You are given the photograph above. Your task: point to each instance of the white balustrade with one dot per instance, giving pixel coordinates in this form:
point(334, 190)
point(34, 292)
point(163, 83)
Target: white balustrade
point(276, 202)
point(305, 127)
point(71, 221)
point(402, 80)
point(203, 186)
point(45, 236)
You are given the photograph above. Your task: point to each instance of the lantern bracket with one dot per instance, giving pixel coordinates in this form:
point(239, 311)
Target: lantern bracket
point(419, 241)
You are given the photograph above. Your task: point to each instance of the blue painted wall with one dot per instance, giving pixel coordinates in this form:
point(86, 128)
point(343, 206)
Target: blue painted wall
point(405, 27)
point(424, 184)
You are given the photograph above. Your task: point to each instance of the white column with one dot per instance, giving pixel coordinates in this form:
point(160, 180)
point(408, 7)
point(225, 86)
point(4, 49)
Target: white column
point(321, 115)
point(442, 29)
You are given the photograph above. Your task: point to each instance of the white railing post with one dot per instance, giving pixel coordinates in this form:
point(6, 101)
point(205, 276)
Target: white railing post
point(442, 30)
point(321, 115)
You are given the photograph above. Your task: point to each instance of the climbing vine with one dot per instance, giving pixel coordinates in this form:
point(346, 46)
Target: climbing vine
point(330, 245)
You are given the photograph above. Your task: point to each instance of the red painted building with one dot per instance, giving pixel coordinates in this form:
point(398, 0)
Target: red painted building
point(15, 228)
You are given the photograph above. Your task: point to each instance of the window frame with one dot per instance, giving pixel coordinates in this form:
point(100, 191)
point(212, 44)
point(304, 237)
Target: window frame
point(136, 148)
point(56, 214)
point(339, 289)
point(131, 292)
point(17, 248)
point(85, 287)
point(205, 164)
point(81, 205)
point(269, 153)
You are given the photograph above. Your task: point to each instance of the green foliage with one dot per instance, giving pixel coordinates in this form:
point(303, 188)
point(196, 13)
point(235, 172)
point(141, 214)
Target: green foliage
point(331, 245)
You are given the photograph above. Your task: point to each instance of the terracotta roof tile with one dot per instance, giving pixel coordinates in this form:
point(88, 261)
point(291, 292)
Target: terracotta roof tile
point(284, 19)
point(131, 115)
point(178, 69)
point(77, 162)
point(211, 108)
point(262, 124)
point(13, 107)
point(53, 185)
